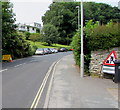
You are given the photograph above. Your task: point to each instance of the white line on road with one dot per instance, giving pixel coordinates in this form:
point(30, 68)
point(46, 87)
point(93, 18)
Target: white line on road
point(4, 70)
point(19, 64)
point(33, 61)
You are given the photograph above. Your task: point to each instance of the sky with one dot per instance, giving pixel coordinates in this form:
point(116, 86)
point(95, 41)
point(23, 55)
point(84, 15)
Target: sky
point(29, 11)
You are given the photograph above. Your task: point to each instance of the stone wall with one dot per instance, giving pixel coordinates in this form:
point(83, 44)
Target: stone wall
point(97, 58)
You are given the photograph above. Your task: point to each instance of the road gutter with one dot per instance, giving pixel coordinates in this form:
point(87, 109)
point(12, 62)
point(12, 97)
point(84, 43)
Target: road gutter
point(47, 99)
point(42, 86)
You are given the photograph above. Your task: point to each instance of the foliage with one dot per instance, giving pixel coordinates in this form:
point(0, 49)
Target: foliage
point(13, 43)
point(27, 35)
point(64, 17)
point(49, 34)
point(75, 44)
point(95, 37)
point(43, 45)
point(104, 37)
point(34, 37)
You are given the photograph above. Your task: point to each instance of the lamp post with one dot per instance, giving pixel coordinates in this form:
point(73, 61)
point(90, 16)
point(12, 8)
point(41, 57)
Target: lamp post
point(82, 53)
point(78, 16)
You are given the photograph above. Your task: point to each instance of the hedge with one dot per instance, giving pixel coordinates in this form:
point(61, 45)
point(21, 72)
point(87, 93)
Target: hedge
point(95, 37)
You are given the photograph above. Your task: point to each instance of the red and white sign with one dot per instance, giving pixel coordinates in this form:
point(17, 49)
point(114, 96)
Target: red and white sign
point(110, 59)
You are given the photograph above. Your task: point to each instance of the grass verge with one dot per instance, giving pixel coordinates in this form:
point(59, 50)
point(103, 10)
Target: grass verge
point(44, 45)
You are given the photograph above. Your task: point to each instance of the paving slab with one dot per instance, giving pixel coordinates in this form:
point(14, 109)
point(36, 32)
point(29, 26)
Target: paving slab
point(69, 90)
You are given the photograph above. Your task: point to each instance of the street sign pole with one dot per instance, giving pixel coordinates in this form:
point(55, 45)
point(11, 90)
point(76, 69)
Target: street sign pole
point(82, 53)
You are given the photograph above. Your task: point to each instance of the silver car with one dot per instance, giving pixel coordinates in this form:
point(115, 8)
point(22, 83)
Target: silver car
point(40, 51)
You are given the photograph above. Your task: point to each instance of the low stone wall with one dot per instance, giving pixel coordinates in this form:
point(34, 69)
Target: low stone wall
point(97, 58)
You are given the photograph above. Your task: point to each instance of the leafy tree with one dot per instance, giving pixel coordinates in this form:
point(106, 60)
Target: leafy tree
point(49, 34)
point(64, 17)
point(34, 37)
point(8, 26)
point(13, 43)
point(27, 35)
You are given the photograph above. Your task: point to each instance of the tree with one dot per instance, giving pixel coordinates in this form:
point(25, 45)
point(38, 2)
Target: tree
point(8, 26)
point(34, 37)
point(27, 35)
point(49, 34)
point(13, 43)
point(64, 17)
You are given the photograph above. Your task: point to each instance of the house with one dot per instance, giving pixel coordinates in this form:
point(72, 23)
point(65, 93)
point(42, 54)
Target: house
point(31, 27)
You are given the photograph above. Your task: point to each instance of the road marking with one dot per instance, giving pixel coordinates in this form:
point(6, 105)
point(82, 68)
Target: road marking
point(40, 90)
point(19, 64)
point(3, 70)
point(33, 61)
point(50, 86)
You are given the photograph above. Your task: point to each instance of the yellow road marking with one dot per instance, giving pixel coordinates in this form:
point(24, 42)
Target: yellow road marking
point(40, 90)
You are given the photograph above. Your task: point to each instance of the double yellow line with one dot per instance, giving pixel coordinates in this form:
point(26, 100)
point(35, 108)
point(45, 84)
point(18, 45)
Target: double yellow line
point(39, 93)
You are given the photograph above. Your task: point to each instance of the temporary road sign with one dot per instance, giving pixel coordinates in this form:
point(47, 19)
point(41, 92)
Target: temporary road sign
point(108, 64)
point(7, 57)
point(108, 69)
point(110, 59)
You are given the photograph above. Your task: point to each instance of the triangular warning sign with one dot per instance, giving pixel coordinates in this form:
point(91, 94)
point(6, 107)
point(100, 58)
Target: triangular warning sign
point(110, 59)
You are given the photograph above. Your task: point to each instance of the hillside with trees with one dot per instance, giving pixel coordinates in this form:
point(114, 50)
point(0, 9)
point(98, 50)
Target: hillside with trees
point(60, 25)
point(64, 17)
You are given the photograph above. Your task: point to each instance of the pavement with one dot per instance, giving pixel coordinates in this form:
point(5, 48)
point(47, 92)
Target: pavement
point(69, 90)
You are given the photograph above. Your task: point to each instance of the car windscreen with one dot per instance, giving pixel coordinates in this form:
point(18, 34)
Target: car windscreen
point(39, 49)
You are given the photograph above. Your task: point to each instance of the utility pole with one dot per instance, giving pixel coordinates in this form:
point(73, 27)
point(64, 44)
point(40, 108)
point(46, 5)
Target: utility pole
point(82, 53)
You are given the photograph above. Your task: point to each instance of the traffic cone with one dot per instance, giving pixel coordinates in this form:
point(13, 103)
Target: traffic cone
point(10, 59)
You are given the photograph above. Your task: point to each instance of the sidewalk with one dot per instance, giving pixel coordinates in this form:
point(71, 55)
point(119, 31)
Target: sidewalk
point(70, 91)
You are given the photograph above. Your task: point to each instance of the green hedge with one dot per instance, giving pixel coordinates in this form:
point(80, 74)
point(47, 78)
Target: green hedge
point(104, 37)
point(95, 37)
point(18, 47)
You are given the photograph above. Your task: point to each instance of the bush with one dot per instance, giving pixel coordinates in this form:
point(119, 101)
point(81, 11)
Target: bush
point(75, 44)
point(95, 37)
point(18, 47)
point(104, 37)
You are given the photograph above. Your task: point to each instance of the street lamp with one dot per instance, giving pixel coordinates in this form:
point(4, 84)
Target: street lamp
point(82, 53)
point(78, 16)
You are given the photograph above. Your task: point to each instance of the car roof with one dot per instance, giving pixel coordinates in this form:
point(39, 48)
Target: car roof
point(39, 49)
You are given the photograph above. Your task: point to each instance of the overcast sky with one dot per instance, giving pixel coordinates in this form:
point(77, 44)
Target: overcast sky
point(28, 11)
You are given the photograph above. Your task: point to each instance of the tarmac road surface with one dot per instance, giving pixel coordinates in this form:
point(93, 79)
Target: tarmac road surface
point(22, 79)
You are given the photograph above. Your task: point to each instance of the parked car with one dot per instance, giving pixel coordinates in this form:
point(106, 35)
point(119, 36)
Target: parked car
point(71, 49)
point(40, 51)
point(54, 50)
point(47, 51)
point(62, 50)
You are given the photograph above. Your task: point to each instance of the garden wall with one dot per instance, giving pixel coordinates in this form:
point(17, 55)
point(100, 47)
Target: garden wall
point(97, 58)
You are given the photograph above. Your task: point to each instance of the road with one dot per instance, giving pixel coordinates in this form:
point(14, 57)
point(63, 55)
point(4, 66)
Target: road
point(22, 79)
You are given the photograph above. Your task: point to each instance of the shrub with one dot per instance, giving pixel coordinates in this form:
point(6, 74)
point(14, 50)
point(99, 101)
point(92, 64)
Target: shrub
point(95, 37)
point(75, 44)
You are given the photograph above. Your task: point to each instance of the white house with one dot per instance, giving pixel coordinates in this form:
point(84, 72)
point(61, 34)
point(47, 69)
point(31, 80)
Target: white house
point(31, 27)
